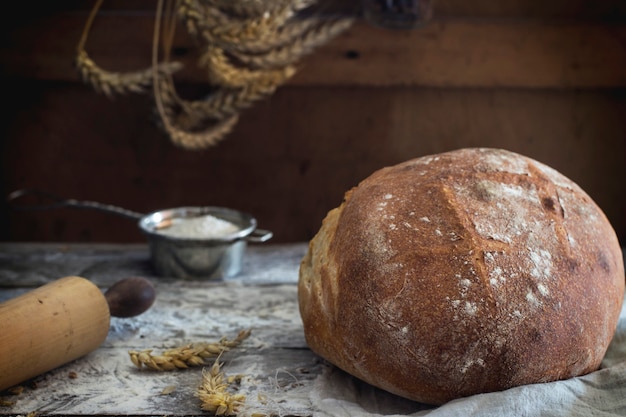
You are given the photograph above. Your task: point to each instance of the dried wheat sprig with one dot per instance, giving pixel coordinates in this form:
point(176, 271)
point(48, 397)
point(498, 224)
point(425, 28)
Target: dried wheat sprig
point(214, 395)
point(167, 90)
point(225, 102)
point(184, 356)
point(189, 15)
point(223, 73)
point(218, 27)
point(171, 102)
point(176, 110)
point(297, 48)
point(193, 116)
point(203, 14)
point(188, 128)
point(88, 24)
point(255, 8)
point(200, 19)
point(292, 29)
point(203, 139)
point(196, 23)
point(180, 137)
point(111, 83)
point(231, 101)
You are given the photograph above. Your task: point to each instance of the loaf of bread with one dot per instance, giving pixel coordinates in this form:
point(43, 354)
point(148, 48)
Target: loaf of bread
point(460, 273)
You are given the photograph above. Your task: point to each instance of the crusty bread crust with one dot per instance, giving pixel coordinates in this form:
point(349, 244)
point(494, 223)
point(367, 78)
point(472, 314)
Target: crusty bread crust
point(460, 273)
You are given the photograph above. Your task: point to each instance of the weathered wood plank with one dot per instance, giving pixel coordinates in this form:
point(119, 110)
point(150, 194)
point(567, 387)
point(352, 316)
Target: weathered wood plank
point(474, 54)
point(312, 144)
point(446, 53)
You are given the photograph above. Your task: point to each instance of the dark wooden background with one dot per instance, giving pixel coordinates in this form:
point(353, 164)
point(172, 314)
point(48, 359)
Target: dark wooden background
point(546, 79)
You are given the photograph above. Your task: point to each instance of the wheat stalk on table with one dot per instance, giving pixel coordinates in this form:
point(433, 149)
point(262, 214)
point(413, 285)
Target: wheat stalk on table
point(185, 356)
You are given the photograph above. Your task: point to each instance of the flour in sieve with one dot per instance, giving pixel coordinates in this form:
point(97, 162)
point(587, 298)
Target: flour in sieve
point(201, 227)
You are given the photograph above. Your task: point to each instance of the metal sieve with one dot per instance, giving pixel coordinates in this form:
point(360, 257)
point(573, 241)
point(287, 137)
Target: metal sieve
point(180, 257)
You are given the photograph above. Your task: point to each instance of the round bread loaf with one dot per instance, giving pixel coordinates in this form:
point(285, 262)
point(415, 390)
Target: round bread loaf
point(466, 272)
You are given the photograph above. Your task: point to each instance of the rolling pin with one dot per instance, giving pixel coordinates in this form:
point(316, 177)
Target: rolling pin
point(62, 321)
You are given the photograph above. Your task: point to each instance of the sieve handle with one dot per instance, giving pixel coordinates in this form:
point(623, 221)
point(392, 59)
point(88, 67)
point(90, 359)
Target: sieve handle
point(68, 202)
point(259, 236)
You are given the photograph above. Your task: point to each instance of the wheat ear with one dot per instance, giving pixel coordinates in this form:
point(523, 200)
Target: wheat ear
point(297, 48)
point(293, 29)
point(185, 139)
point(185, 356)
point(222, 72)
point(189, 129)
point(226, 102)
point(204, 139)
point(214, 394)
point(216, 27)
point(255, 8)
point(197, 19)
point(111, 83)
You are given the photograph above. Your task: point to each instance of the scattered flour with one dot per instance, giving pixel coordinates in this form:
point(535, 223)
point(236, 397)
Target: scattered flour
point(505, 162)
point(543, 290)
point(471, 362)
point(505, 214)
point(541, 264)
point(532, 299)
point(470, 308)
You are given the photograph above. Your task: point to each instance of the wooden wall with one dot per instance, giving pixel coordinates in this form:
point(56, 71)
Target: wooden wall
point(546, 79)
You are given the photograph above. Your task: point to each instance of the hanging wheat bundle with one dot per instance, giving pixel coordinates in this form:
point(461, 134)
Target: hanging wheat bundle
point(116, 83)
point(249, 48)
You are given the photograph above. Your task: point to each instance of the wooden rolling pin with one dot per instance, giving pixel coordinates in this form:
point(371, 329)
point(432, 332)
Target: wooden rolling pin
point(62, 321)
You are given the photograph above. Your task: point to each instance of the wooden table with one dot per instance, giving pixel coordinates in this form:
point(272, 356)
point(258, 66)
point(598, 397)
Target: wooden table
point(274, 363)
point(278, 374)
